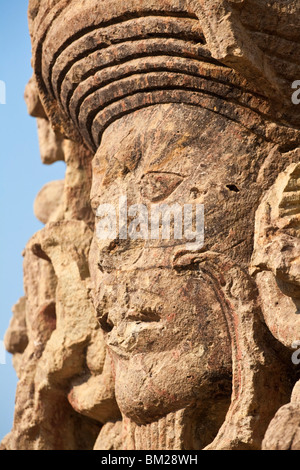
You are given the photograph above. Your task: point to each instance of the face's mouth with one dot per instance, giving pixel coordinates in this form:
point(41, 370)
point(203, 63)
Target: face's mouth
point(132, 328)
point(110, 320)
point(134, 336)
point(146, 315)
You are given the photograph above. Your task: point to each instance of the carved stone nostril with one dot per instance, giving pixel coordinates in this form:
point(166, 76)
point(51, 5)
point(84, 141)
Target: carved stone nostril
point(233, 188)
point(105, 323)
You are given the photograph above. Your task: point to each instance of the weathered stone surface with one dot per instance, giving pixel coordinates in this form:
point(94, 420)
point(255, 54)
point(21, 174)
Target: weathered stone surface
point(284, 430)
point(33, 101)
point(110, 437)
point(16, 338)
point(151, 343)
point(49, 203)
point(257, 39)
point(276, 265)
point(276, 257)
point(51, 144)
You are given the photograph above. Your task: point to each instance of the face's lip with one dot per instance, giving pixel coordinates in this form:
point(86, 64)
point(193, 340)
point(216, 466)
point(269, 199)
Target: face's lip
point(138, 316)
point(133, 336)
point(146, 315)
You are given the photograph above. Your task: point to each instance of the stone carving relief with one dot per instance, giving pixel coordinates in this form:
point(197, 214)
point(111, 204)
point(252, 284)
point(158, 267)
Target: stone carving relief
point(146, 344)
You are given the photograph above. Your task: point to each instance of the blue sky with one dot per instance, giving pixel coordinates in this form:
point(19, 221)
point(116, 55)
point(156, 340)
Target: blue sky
point(22, 175)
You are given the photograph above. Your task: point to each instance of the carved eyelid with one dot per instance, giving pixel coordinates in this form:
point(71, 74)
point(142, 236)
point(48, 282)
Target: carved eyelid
point(156, 194)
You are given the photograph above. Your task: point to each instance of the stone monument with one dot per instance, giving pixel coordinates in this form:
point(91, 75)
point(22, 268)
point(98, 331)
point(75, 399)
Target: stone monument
point(148, 343)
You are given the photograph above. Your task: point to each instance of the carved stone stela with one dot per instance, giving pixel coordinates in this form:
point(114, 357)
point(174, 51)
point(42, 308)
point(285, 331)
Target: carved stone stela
point(145, 344)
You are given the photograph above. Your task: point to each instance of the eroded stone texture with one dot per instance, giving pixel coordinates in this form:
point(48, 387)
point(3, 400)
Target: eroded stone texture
point(276, 265)
point(148, 344)
point(48, 205)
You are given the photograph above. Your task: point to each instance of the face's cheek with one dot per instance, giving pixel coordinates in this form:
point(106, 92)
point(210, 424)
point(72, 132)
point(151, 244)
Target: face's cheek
point(192, 314)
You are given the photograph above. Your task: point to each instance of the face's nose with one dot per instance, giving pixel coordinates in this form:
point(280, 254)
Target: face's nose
point(112, 303)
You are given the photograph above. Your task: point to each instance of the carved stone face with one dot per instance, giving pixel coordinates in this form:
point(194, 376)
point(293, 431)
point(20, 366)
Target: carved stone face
point(163, 311)
point(178, 324)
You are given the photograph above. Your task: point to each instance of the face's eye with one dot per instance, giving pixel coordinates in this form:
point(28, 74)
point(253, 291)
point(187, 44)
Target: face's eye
point(158, 186)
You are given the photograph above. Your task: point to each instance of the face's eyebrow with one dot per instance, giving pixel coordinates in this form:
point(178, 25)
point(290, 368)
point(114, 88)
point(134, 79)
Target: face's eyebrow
point(172, 173)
